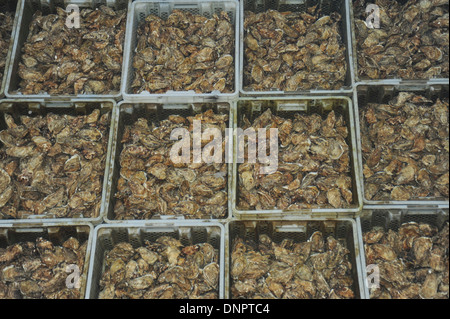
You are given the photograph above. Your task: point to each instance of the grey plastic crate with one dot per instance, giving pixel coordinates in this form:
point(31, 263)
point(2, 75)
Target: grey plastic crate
point(391, 80)
point(8, 6)
point(189, 233)
point(139, 10)
point(18, 107)
point(392, 219)
point(342, 229)
point(381, 93)
point(57, 233)
point(25, 11)
point(127, 114)
point(287, 107)
point(327, 7)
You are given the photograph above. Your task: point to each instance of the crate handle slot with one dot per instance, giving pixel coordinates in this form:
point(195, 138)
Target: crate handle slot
point(290, 229)
point(185, 6)
point(53, 105)
point(176, 107)
point(180, 92)
point(29, 230)
point(292, 106)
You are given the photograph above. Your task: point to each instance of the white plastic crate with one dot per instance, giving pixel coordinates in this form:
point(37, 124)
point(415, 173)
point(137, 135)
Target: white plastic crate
point(189, 233)
point(57, 233)
point(139, 10)
point(288, 107)
point(24, 15)
point(8, 6)
point(326, 7)
point(22, 107)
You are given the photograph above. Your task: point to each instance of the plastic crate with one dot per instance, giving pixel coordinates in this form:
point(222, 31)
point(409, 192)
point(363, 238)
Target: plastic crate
point(57, 233)
point(392, 219)
point(8, 6)
point(327, 7)
point(287, 107)
point(189, 233)
point(129, 113)
point(26, 9)
point(139, 10)
point(381, 93)
point(342, 229)
point(391, 80)
point(17, 108)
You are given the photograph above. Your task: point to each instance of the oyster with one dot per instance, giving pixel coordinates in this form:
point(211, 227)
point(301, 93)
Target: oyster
point(313, 164)
point(38, 270)
point(291, 270)
point(405, 148)
point(50, 168)
point(291, 51)
point(184, 52)
point(88, 60)
point(6, 25)
point(163, 269)
point(413, 261)
point(411, 43)
point(151, 184)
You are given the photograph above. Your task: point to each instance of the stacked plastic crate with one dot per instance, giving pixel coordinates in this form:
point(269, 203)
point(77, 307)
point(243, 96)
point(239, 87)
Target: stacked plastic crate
point(138, 208)
point(390, 202)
